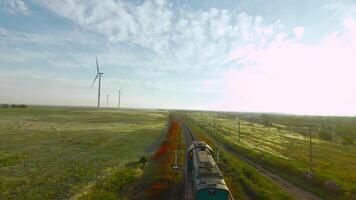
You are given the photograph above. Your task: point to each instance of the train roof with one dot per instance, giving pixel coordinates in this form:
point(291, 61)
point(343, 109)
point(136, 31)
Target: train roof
point(203, 185)
point(206, 163)
point(208, 173)
point(210, 177)
point(199, 144)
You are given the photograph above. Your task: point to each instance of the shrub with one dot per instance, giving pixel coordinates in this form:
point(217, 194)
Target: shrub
point(19, 106)
point(143, 160)
point(324, 135)
point(347, 139)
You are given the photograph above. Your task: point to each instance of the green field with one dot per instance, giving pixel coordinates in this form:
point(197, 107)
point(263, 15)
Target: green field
point(244, 181)
point(286, 152)
point(57, 153)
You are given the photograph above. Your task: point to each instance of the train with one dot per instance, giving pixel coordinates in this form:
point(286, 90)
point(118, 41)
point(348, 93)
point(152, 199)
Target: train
point(208, 182)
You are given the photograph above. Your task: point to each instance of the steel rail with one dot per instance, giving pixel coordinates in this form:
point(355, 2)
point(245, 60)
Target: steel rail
point(189, 140)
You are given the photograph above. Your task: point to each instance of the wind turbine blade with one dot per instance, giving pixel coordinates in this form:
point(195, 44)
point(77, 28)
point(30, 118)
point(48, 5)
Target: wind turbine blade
point(96, 77)
point(97, 65)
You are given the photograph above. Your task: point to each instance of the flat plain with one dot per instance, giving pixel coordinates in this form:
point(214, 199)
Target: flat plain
point(57, 153)
point(286, 152)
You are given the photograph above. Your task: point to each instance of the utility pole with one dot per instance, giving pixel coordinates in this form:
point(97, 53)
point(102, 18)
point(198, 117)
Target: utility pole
point(175, 166)
point(119, 99)
point(214, 123)
point(239, 130)
point(334, 131)
point(107, 101)
point(310, 151)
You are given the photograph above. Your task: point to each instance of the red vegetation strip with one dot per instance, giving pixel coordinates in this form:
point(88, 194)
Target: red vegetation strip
point(169, 145)
point(164, 176)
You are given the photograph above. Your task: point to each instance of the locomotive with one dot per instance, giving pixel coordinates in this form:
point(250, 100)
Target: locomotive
point(208, 182)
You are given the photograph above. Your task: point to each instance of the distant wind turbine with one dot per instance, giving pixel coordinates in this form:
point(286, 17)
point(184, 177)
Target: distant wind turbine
point(98, 75)
point(119, 98)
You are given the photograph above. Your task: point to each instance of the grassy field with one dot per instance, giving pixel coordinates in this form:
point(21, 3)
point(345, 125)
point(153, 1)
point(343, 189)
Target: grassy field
point(244, 181)
point(57, 153)
point(286, 152)
point(152, 178)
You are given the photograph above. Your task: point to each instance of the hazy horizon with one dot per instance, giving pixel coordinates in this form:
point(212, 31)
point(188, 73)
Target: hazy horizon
point(239, 56)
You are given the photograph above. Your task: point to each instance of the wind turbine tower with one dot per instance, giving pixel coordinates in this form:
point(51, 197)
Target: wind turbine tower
point(119, 98)
point(98, 75)
point(107, 100)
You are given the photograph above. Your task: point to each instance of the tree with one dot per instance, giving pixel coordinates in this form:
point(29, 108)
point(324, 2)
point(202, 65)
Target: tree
point(347, 139)
point(325, 135)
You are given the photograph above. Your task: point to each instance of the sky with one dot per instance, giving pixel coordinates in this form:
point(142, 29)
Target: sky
point(282, 56)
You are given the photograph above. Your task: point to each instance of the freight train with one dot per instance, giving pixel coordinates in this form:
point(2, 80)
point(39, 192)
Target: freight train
point(207, 179)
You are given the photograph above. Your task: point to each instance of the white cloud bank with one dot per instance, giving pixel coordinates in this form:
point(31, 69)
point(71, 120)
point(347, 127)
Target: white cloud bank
point(182, 39)
point(14, 6)
point(288, 76)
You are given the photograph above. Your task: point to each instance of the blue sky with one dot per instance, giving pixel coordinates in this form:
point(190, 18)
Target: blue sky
point(250, 55)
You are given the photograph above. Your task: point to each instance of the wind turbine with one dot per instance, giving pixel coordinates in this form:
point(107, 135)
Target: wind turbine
point(119, 99)
point(107, 100)
point(98, 75)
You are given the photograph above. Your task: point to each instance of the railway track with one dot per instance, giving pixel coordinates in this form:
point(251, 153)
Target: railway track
point(189, 138)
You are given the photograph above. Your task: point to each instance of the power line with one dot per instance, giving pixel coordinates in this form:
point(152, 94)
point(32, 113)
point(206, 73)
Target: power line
point(239, 131)
point(310, 151)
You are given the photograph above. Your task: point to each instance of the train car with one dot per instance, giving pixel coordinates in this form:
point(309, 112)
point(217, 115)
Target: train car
point(207, 179)
point(194, 146)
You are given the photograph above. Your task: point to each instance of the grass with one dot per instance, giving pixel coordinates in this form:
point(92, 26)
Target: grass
point(57, 153)
point(333, 128)
point(286, 152)
point(115, 185)
point(152, 178)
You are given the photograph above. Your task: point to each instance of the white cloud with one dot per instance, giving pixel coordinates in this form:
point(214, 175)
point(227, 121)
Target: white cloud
point(14, 6)
point(288, 76)
point(342, 9)
point(182, 39)
point(119, 21)
point(58, 38)
point(298, 32)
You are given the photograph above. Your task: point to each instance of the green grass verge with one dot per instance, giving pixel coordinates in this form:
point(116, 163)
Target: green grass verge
point(56, 153)
point(116, 185)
